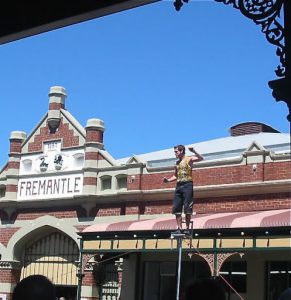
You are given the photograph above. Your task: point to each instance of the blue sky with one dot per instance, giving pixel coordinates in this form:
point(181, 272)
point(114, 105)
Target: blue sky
point(157, 77)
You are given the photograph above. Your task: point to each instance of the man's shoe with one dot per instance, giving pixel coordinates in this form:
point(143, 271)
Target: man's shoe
point(178, 231)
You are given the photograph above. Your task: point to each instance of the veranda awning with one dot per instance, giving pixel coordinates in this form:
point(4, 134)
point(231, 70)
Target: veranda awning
point(232, 231)
point(228, 220)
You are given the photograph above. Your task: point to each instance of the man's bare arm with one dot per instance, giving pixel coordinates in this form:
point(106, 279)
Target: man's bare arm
point(196, 157)
point(172, 178)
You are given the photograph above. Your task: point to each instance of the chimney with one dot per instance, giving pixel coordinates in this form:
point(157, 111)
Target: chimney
point(250, 128)
point(16, 140)
point(94, 132)
point(94, 142)
point(57, 97)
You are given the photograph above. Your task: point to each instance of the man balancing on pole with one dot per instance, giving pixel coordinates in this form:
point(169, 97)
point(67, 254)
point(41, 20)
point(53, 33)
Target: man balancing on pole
point(184, 188)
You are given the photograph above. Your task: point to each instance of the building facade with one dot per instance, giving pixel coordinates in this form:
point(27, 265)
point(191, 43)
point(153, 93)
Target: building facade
point(100, 227)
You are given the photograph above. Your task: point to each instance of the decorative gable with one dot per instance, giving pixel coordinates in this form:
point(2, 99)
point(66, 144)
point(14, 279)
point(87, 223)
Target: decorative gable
point(255, 153)
point(64, 133)
point(133, 160)
point(254, 146)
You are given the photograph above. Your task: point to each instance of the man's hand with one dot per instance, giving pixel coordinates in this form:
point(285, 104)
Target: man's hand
point(192, 149)
point(197, 157)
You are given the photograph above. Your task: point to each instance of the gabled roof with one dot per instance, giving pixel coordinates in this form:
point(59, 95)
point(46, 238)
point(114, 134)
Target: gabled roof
point(68, 118)
point(223, 147)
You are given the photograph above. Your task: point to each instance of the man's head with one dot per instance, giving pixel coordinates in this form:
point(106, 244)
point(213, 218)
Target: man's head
point(179, 151)
point(34, 287)
point(205, 289)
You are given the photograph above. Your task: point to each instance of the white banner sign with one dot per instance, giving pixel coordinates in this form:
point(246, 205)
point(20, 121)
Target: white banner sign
point(50, 187)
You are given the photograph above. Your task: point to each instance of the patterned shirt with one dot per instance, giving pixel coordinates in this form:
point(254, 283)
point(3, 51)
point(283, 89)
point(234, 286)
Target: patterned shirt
point(184, 170)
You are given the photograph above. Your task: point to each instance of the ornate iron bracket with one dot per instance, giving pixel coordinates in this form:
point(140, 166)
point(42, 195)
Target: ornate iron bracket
point(216, 260)
point(265, 13)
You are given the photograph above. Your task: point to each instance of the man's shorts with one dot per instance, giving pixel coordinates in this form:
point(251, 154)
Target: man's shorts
point(183, 197)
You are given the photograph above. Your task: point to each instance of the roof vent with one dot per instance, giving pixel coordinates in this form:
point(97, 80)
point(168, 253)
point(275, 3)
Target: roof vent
point(250, 128)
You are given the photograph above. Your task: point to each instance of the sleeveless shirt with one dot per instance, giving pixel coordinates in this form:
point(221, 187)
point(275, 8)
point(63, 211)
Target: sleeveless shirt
point(184, 171)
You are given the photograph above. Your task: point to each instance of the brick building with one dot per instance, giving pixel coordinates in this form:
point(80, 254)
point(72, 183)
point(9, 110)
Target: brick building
point(100, 228)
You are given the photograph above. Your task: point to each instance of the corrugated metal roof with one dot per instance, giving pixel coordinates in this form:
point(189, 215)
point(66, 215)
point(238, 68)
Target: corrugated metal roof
point(220, 148)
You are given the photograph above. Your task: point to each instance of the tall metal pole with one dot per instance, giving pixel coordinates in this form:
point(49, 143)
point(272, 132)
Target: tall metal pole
point(179, 240)
point(80, 274)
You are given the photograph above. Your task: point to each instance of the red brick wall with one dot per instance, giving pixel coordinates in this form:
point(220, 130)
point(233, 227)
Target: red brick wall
point(90, 181)
point(94, 135)
point(11, 188)
point(132, 209)
point(108, 210)
point(243, 203)
point(9, 276)
point(158, 207)
point(56, 106)
point(201, 205)
point(63, 132)
point(93, 156)
point(13, 165)
point(155, 181)
point(218, 175)
point(58, 212)
point(15, 146)
point(88, 279)
point(6, 234)
point(227, 175)
point(134, 182)
point(276, 171)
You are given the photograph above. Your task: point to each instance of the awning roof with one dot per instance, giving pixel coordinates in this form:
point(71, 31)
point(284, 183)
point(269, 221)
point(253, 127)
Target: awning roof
point(229, 220)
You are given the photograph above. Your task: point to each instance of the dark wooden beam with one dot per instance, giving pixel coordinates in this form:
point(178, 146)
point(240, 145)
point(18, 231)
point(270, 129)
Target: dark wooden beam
point(20, 19)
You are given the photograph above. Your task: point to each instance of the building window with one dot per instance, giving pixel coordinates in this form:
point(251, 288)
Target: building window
point(160, 278)
point(2, 191)
point(122, 182)
point(278, 278)
point(235, 273)
point(106, 183)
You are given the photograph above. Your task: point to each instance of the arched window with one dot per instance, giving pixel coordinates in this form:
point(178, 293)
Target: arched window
point(55, 256)
point(106, 183)
point(121, 181)
point(2, 191)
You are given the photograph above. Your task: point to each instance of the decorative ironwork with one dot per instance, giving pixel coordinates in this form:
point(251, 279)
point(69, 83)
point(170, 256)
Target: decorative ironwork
point(88, 265)
point(209, 258)
point(179, 3)
point(265, 13)
point(215, 261)
point(222, 257)
point(85, 259)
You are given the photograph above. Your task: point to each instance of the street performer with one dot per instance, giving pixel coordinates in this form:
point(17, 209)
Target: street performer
point(184, 188)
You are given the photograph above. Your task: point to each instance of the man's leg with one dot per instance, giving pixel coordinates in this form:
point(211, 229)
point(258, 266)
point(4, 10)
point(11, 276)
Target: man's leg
point(188, 220)
point(188, 203)
point(179, 221)
point(177, 207)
